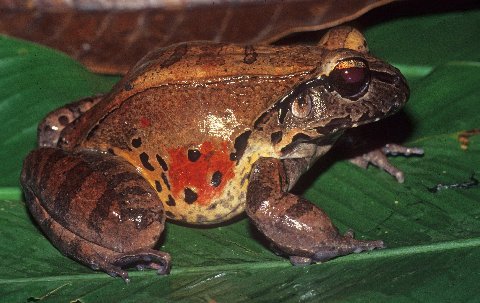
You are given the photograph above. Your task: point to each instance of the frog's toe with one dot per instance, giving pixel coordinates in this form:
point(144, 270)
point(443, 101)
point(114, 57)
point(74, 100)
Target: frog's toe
point(115, 271)
point(378, 157)
point(300, 261)
point(147, 258)
point(346, 246)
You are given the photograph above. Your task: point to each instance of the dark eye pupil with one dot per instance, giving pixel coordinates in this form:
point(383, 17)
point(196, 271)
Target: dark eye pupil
point(353, 75)
point(350, 78)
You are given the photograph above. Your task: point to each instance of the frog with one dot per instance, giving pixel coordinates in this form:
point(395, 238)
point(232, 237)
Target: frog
point(200, 133)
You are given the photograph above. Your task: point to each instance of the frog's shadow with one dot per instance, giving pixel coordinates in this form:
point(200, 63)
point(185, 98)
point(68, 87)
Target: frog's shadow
point(357, 141)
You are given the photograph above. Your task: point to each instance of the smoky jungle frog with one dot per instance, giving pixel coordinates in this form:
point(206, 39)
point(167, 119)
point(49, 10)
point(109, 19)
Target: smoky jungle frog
point(200, 132)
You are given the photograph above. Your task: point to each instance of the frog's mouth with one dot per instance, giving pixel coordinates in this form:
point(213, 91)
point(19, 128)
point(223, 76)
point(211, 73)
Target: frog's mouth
point(340, 124)
point(304, 146)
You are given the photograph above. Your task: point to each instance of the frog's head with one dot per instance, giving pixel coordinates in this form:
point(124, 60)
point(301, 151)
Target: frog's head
point(349, 88)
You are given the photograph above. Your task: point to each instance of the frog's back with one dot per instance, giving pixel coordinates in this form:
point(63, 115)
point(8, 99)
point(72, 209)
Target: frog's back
point(184, 115)
point(205, 61)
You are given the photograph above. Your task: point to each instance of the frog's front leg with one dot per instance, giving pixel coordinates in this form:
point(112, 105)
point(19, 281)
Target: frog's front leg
point(297, 227)
point(96, 209)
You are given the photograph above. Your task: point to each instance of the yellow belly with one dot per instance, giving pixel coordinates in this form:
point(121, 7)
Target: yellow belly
point(223, 204)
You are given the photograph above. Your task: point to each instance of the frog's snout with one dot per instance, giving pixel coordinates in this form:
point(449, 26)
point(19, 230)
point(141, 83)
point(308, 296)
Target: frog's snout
point(402, 85)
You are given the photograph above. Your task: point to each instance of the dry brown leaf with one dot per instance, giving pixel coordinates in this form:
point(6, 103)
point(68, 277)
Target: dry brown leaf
point(109, 36)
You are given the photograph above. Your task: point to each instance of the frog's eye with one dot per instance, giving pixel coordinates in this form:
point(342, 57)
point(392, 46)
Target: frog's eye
point(302, 105)
point(350, 77)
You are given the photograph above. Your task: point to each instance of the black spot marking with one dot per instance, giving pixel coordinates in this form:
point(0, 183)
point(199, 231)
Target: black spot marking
point(170, 214)
point(194, 155)
point(216, 179)
point(162, 162)
point(63, 120)
point(137, 142)
point(171, 201)
point(250, 55)
point(301, 137)
point(165, 180)
point(128, 86)
point(177, 55)
point(144, 158)
point(260, 122)
point(158, 186)
point(240, 145)
point(190, 195)
point(276, 137)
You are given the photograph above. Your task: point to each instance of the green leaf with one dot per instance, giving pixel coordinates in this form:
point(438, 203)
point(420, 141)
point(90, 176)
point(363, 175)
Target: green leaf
point(33, 81)
point(433, 237)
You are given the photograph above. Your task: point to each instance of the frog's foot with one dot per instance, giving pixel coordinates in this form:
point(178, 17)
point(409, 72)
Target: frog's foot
point(378, 157)
point(146, 258)
point(297, 227)
point(343, 246)
point(95, 208)
point(52, 125)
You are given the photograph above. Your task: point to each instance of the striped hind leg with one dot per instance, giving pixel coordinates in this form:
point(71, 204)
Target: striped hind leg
point(95, 208)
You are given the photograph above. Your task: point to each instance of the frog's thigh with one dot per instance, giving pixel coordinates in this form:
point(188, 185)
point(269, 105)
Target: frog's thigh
point(95, 208)
point(297, 227)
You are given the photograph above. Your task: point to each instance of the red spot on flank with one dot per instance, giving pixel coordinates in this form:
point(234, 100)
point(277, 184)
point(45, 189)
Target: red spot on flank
point(197, 175)
point(145, 122)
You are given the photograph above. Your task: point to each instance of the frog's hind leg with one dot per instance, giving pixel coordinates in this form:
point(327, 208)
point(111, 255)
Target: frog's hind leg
point(296, 227)
point(52, 125)
point(92, 255)
point(96, 209)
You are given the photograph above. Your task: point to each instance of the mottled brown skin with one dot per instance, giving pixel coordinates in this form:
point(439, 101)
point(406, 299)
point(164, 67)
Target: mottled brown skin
point(198, 133)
